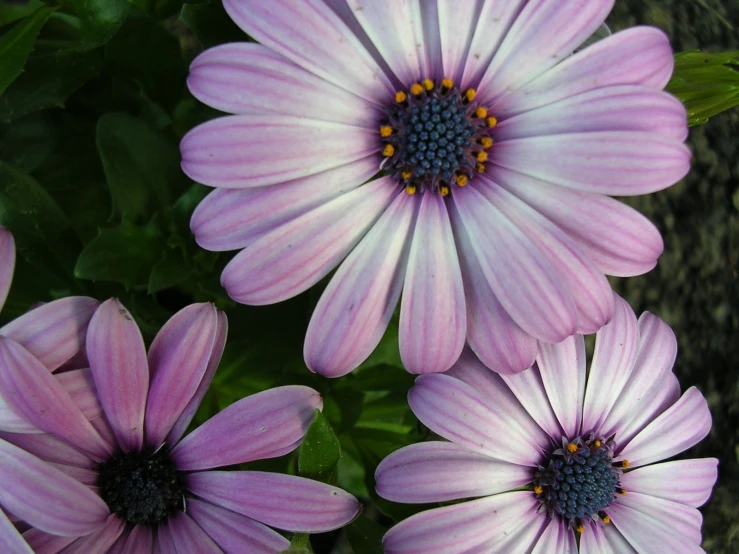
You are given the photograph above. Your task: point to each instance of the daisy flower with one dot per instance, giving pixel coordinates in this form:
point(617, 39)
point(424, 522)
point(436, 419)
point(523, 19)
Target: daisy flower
point(458, 152)
point(554, 452)
point(120, 432)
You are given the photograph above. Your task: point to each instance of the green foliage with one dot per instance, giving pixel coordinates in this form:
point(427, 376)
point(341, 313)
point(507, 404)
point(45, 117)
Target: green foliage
point(17, 44)
point(320, 451)
point(365, 536)
point(210, 24)
point(96, 21)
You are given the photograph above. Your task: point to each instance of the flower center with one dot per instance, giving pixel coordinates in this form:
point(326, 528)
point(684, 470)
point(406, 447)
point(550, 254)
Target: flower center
point(141, 488)
point(435, 136)
point(579, 480)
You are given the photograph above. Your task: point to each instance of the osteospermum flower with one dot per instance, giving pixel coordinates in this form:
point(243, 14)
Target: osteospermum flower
point(497, 150)
point(554, 452)
point(53, 333)
point(120, 431)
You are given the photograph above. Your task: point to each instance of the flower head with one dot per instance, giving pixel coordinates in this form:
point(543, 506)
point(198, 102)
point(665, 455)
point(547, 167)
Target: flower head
point(555, 452)
point(118, 427)
point(497, 150)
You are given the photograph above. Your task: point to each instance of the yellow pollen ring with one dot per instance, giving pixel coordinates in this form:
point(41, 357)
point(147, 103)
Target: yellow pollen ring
point(388, 151)
point(580, 528)
point(416, 89)
point(400, 97)
point(444, 190)
point(621, 491)
point(481, 112)
point(480, 168)
point(492, 121)
point(410, 189)
point(447, 83)
point(606, 520)
point(572, 447)
point(386, 131)
point(487, 142)
point(406, 175)
point(428, 84)
point(481, 157)
point(624, 463)
point(597, 444)
point(538, 489)
point(461, 180)
point(470, 94)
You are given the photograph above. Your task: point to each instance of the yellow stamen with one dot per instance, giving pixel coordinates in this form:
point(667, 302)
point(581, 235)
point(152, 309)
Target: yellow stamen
point(572, 447)
point(480, 168)
point(481, 112)
point(580, 528)
point(386, 131)
point(400, 97)
point(410, 189)
point(492, 121)
point(597, 444)
point(444, 190)
point(406, 175)
point(538, 489)
point(470, 94)
point(622, 463)
point(621, 491)
point(486, 142)
point(447, 83)
point(461, 180)
point(606, 520)
point(481, 157)
point(388, 151)
point(416, 89)
point(428, 84)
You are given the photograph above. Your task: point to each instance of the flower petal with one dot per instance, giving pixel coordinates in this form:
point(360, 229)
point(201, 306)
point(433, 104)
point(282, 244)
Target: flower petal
point(544, 33)
point(7, 263)
point(528, 387)
point(637, 56)
point(12, 422)
point(234, 532)
point(10, 539)
point(46, 543)
point(46, 498)
point(681, 426)
point(101, 540)
point(648, 535)
point(517, 270)
point(229, 219)
point(461, 527)
point(283, 501)
point(624, 163)
point(259, 426)
point(557, 538)
point(188, 536)
point(53, 332)
point(139, 540)
point(118, 363)
point(179, 357)
point(164, 540)
point(441, 471)
point(459, 413)
point(688, 482)
point(49, 448)
point(604, 539)
point(248, 78)
point(685, 520)
point(293, 257)
point(35, 394)
point(291, 29)
point(433, 320)
point(242, 151)
point(356, 306)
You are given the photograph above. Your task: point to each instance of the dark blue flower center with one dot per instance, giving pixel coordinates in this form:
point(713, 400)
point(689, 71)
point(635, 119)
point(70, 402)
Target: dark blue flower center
point(579, 480)
point(141, 488)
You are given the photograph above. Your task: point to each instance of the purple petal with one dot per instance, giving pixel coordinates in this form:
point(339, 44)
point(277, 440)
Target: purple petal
point(34, 393)
point(518, 272)
point(282, 501)
point(7, 264)
point(12, 422)
point(291, 29)
point(49, 448)
point(441, 471)
point(604, 539)
point(179, 357)
point(242, 151)
point(10, 539)
point(544, 33)
point(462, 527)
point(557, 538)
point(296, 255)
point(87, 477)
point(688, 482)
point(247, 78)
point(46, 543)
point(459, 413)
point(528, 387)
point(681, 426)
point(45, 497)
point(230, 219)
point(164, 542)
point(685, 520)
point(264, 425)
point(617, 238)
point(234, 532)
point(53, 332)
point(356, 306)
point(433, 320)
point(636, 56)
point(188, 536)
point(649, 535)
point(101, 540)
point(140, 540)
point(118, 363)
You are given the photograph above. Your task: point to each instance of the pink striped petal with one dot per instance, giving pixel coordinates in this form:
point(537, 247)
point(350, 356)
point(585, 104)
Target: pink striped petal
point(264, 425)
point(46, 498)
point(295, 256)
point(637, 56)
point(118, 363)
point(80, 385)
point(461, 527)
point(230, 219)
point(604, 539)
point(528, 387)
point(517, 270)
point(101, 540)
point(140, 540)
point(49, 448)
point(544, 33)
point(433, 319)
point(557, 538)
point(615, 352)
point(188, 536)
point(35, 394)
point(684, 424)
point(617, 238)
point(248, 78)
point(234, 532)
point(459, 413)
point(12, 422)
point(242, 151)
point(291, 29)
point(688, 482)
point(179, 357)
point(356, 306)
point(685, 520)
point(53, 332)
point(624, 163)
point(7, 263)
point(648, 535)
point(85, 476)
point(10, 539)
point(46, 543)
point(164, 543)
point(283, 501)
point(442, 471)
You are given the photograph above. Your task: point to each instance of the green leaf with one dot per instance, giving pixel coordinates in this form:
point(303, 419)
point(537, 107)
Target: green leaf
point(28, 142)
point(98, 19)
point(10, 13)
point(171, 270)
point(141, 166)
point(320, 451)
point(300, 544)
point(210, 24)
point(125, 254)
point(365, 536)
point(17, 44)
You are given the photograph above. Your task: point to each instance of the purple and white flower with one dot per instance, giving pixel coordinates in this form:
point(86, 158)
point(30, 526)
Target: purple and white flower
point(556, 451)
point(498, 150)
point(118, 428)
